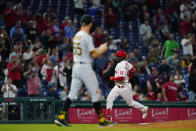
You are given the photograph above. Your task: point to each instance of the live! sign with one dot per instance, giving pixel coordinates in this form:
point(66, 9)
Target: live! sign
point(130, 115)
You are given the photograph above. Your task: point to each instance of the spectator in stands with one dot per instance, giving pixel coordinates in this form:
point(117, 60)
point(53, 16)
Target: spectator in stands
point(154, 79)
point(170, 47)
point(159, 97)
point(150, 93)
point(187, 44)
point(27, 56)
point(9, 90)
point(164, 67)
point(41, 23)
point(64, 22)
point(182, 92)
point(170, 90)
point(132, 59)
point(61, 80)
point(185, 10)
point(186, 26)
point(154, 41)
point(70, 30)
point(164, 78)
point(192, 83)
point(28, 53)
point(128, 10)
point(144, 67)
point(48, 72)
point(137, 95)
point(146, 32)
point(137, 52)
point(37, 46)
point(68, 70)
point(158, 18)
point(49, 13)
point(10, 16)
point(124, 45)
point(112, 43)
point(33, 64)
point(93, 11)
point(154, 54)
point(95, 2)
point(5, 44)
point(86, 97)
point(14, 71)
point(172, 16)
point(57, 32)
point(144, 14)
point(193, 22)
point(186, 61)
point(31, 31)
point(99, 36)
point(42, 58)
point(164, 29)
point(33, 82)
point(99, 64)
point(110, 18)
point(21, 15)
point(107, 72)
point(17, 33)
point(65, 48)
point(79, 6)
point(173, 61)
point(54, 56)
point(178, 78)
point(47, 39)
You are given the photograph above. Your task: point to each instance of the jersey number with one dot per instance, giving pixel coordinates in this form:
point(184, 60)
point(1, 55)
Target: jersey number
point(77, 50)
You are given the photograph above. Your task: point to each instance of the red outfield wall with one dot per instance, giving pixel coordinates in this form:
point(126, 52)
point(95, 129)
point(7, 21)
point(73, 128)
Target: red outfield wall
point(130, 115)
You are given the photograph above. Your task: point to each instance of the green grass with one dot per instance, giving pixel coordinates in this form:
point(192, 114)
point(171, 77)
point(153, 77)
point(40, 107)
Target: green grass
point(79, 127)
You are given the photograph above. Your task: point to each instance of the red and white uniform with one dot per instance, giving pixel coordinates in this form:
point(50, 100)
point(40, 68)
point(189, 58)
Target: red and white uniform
point(123, 87)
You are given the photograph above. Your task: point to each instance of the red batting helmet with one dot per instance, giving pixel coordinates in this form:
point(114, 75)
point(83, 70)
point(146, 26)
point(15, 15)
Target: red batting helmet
point(121, 53)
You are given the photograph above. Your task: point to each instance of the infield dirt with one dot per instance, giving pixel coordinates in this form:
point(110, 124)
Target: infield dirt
point(185, 124)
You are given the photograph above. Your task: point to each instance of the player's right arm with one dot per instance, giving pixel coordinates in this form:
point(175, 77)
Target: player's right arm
point(95, 52)
point(99, 50)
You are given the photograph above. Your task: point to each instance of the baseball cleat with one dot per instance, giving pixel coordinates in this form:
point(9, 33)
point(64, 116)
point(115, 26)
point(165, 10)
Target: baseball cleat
point(62, 123)
point(144, 114)
point(107, 124)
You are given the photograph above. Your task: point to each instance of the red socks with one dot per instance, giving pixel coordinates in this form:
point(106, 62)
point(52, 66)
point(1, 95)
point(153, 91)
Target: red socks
point(108, 114)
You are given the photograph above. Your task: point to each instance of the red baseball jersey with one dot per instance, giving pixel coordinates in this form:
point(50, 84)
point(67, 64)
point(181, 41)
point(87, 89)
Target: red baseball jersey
point(171, 91)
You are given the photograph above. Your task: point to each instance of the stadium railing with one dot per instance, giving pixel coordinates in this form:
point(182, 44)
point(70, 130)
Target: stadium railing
point(43, 110)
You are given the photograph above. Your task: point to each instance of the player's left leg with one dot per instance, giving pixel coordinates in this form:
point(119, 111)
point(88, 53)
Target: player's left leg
point(73, 95)
point(127, 96)
point(109, 103)
point(91, 84)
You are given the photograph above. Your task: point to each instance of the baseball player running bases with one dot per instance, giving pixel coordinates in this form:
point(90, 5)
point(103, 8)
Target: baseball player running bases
point(82, 73)
point(123, 72)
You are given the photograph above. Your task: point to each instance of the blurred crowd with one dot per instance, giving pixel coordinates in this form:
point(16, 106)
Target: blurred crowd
point(36, 49)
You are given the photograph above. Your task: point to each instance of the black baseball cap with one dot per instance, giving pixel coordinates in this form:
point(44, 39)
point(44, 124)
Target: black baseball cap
point(85, 20)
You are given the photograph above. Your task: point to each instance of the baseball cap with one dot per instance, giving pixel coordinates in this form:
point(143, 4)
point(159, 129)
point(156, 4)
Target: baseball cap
point(121, 53)
point(85, 20)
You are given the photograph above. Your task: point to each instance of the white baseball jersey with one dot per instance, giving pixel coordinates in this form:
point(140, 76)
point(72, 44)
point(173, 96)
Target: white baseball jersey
point(122, 70)
point(82, 46)
point(124, 89)
point(82, 72)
